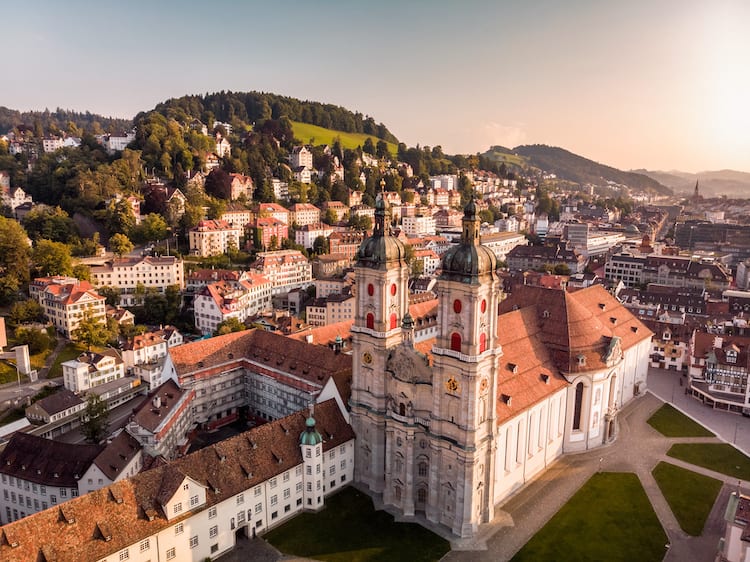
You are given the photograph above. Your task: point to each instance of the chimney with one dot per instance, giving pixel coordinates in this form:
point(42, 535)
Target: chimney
point(157, 402)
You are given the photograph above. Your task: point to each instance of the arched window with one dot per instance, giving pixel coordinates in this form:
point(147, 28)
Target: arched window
point(482, 343)
point(422, 469)
point(401, 409)
point(578, 406)
point(457, 306)
point(393, 289)
point(456, 341)
point(422, 495)
point(370, 320)
point(394, 320)
point(370, 289)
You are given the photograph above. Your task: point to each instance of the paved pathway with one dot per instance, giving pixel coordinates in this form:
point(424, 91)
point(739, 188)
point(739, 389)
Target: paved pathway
point(637, 449)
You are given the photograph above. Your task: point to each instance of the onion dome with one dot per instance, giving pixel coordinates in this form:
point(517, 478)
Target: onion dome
point(310, 436)
point(469, 262)
point(381, 248)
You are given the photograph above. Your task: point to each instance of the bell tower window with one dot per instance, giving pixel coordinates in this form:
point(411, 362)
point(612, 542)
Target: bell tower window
point(456, 341)
point(483, 306)
point(370, 289)
point(457, 306)
point(394, 320)
point(370, 321)
point(393, 290)
point(482, 343)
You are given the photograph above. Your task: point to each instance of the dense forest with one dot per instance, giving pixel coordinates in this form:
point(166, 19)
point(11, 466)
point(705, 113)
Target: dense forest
point(40, 123)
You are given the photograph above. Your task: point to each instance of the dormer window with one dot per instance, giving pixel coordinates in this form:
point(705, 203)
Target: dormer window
point(581, 360)
point(666, 336)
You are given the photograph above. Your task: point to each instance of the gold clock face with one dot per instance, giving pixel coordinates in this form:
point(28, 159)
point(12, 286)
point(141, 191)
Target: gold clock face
point(367, 357)
point(484, 385)
point(451, 385)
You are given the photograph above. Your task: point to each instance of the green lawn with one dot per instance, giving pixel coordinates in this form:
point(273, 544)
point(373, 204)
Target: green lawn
point(690, 495)
point(312, 134)
point(348, 529)
point(70, 351)
point(719, 457)
point(672, 423)
point(609, 518)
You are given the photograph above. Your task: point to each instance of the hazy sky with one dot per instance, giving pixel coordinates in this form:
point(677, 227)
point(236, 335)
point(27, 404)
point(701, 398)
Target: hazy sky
point(655, 84)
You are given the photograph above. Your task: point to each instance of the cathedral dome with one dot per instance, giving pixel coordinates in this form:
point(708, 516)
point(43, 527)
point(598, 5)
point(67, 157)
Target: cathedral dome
point(381, 247)
point(469, 261)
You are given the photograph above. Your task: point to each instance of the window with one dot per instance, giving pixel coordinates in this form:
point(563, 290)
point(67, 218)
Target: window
point(63, 493)
point(257, 491)
point(193, 541)
point(299, 501)
point(274, 515)
point(287, 493)
point(213, 531)
point(177, 507)
point(53, 498)
point(240, 499)
point(286, 477)
point(578, 406)
point(124, 554)
point(308, 469)
point(194, 501)
point(178, 529)
point(298, 471)
point(455, 341)
point(309, 486)
point(299, 487)
point(393, 322)
point(43, 489)
point(145, 545)
point(343, 465)
point(212, 512)
point(422, 469)
point(482, 343)
point(370, 321)
point(274, 499)
point(185, 486)
point(258, 507)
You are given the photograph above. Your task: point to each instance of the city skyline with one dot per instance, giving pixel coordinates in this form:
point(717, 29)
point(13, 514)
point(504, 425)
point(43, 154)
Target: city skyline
point(653, 85)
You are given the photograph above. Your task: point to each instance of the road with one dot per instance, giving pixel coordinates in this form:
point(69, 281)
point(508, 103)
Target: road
point(118, 418)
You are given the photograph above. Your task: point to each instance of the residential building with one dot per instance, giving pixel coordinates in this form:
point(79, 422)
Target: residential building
point(199, 278)
point(268, 232)
point(304, 213)
point(734, 546)
point(213, 237)
point(195, 507)
point(524, 258)
point(127, 274)
point(430, 260)
point(223, 146)
point(161, 424)
point(92, 369)
point(337, 207)
point(417, 226)
point(302, 174)
point(307, 234)
point(719, 366)
point(346, 242)
point(503, 242)
point(65, 300)
point(328, 265)
point(238, 216)
point(330, 310)
point(60, 412)
point(286, 269)
point(219, 301)
point(274, 210)
point(301, 156)
point(280, 189)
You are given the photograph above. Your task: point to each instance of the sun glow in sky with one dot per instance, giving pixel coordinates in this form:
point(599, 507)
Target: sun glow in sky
point(658, 84)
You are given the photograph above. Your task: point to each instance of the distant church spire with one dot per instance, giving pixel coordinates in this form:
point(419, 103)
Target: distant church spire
point(696, 193)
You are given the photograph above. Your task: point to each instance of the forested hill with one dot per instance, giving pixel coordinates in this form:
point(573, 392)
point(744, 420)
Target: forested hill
point(245, 108)
point(61, 120)
point(572, 167)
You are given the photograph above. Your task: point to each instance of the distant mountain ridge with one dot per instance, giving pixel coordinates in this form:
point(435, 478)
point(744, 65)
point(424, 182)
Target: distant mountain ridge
point(575, 168)
point(731, 183)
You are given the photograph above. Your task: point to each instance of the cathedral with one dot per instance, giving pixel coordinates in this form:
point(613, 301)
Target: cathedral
point(505, 388)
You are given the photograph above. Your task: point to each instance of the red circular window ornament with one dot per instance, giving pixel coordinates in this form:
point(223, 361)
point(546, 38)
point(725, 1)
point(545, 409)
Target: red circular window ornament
point(393, 290)
point(370, 289)
point(457, 306)
point(483, 306)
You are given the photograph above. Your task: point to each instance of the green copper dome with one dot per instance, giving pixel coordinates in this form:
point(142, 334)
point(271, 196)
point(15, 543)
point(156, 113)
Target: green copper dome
point(469, 261)
point(310, 436)
point(381, 248)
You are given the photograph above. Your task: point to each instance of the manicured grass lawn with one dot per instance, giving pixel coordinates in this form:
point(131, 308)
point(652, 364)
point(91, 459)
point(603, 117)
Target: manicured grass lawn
point(70, 351)
point(609, 518)
point(690, 495)
point(304, 132)
point(720, 457)
point(349, 529)
point(671, 423)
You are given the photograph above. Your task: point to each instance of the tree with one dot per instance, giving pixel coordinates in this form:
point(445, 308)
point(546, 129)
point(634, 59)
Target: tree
point(562, 269)
point(230, 325)
point(37, 340)
point(120, 244)
point(368, 147)
point(95, 418)
point(14, 259)
point(91, 331)
point(320, 245)
point(82, 271)
point(330, 217)
point(51, 258)
point(219, 184)
point(381, 150)
point(110, 294)
point(153, 228)
point(26, 311)
point(51, 223)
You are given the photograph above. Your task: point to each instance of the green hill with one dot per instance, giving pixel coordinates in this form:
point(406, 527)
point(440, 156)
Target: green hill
point(571, 167)
point(501, 154)
point(312, 134)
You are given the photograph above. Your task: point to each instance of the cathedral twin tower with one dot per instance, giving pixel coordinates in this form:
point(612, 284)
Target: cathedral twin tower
point(424, 425)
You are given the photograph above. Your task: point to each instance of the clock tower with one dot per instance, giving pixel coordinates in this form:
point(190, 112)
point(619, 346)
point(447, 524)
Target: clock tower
point(464, 379)
point(382, 301)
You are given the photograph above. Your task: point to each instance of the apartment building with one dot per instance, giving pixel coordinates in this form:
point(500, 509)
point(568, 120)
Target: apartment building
point(128, 274)
point(92, 369)
point(304, 213)
point(65, 300)
point(214, 237)
point(285, 269)
point(219, 301)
